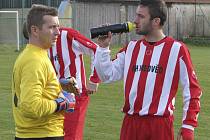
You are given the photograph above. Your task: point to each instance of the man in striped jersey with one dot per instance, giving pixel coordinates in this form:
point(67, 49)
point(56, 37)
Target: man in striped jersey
point(67, 59)
point(151, 69)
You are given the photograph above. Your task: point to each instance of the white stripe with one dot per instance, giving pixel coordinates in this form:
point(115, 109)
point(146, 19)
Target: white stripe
point(134, 87)
point(184, 78)
point(92, 55)
point(78, 73)
point(65, 54)
point(188, 127)
point(150, 83)
point(79, 48)
point(168, 78)
point(128, 57)
point(77, 64)
point(169, 108)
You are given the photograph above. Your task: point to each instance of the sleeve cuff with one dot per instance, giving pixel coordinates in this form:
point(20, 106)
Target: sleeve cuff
point(188, 127)
point(187, 134)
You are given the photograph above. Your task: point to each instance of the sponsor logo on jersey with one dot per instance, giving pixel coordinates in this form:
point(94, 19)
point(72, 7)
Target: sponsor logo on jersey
point(55, 57)
point(148, 68)
point(89, 44)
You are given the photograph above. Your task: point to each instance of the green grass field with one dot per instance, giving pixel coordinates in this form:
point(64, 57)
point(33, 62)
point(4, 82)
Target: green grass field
point(104, 118)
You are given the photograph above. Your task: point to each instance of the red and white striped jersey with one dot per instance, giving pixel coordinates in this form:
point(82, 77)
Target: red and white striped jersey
point(151, 75)
point(67, 56)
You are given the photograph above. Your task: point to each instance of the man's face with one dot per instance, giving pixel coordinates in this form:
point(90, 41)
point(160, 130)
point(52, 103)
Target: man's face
point(142, 20)
point(50, 30)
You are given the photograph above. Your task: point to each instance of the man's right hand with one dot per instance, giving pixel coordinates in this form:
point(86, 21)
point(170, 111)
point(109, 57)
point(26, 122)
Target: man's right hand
point(104, 41)
point(66, 101)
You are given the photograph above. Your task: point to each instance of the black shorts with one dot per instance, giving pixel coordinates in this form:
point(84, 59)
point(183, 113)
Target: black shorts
point(47, 138)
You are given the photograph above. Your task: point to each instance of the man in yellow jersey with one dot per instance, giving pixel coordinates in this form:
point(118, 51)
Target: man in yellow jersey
point(38, 101)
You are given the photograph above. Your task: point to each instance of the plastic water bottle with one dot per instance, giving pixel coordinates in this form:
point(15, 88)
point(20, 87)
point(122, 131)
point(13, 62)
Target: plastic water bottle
point(114, 28)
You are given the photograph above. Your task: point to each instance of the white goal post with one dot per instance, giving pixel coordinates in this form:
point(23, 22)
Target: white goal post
point(17, 25)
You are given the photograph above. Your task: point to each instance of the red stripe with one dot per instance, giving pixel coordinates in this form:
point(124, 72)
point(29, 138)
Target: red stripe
point(142, 81)
point(94, 78)
point(72, 56)
point(174, 88)
point(160, 77)
point(60, 58)
point(130, 76)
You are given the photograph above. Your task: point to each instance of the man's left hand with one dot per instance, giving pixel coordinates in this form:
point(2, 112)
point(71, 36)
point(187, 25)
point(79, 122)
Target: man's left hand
point(91, 87)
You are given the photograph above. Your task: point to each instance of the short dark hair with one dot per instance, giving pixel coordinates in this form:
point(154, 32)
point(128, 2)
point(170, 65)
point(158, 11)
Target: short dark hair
point(157, 9)
point(25, 31)
point(36, 13)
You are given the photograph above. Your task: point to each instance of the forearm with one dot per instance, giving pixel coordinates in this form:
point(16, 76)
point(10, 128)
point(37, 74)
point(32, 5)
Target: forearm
point(191, 110)
point(37, 108)
point(105, 68)
point(191, 92)
point(36, 101)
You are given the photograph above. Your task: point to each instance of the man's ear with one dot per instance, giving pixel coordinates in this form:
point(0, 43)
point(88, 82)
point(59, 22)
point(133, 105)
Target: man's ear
point(34, 30)
point(156, 22)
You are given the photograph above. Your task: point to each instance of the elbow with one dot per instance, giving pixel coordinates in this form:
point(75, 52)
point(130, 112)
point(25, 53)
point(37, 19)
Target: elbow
point(100, 74)
point(28, 110)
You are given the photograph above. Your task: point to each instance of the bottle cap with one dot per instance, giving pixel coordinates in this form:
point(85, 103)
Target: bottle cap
point(131, 26)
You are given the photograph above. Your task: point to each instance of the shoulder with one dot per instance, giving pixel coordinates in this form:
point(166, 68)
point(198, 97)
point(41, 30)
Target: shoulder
point(34, 57)
point(174, 41)
point(127, 46)
point(182, 45)
point(132, 44)
point(76, 35)
point(183, 49)
point(69, 30)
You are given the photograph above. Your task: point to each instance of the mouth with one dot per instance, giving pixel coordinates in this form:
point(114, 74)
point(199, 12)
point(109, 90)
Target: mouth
point(55, 39)
point(138, 28)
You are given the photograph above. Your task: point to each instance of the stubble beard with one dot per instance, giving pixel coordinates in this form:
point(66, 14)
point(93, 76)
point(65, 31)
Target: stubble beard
point(146, 29)
point(142, 32)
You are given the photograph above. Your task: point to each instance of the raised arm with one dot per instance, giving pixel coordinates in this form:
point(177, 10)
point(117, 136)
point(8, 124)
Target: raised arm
point(108, 70)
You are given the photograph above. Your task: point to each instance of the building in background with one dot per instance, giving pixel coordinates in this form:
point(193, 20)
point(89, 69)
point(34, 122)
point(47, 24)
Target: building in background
point(186, 17)
point(65, 13)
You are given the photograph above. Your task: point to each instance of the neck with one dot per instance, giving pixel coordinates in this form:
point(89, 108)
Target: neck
point(155, 36)
point(35, 42)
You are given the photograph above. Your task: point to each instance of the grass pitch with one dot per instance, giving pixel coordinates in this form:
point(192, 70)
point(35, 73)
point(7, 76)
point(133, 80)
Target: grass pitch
point(104, 118)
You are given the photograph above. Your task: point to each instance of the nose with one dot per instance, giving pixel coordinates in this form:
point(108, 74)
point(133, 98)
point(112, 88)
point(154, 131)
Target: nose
point(57, 31)
point(136, 20)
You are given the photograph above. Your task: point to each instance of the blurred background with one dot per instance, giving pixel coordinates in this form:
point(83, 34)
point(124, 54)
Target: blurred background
point(188, 20)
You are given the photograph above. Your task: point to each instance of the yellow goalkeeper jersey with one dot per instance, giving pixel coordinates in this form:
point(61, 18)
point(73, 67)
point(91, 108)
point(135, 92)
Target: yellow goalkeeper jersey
point(34, 89)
